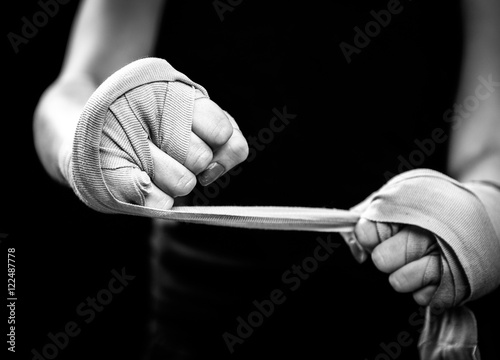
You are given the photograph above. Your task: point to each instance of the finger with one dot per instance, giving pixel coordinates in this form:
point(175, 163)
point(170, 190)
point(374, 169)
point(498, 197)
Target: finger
point(157, 199)
point(414, 275)
point(199, 155)
point(231, 120)
point(370, 233)
point(128, 184)
point(411, 243)
point(133, 186)
point(198, 94)
point(366, 234)
point(210, 123)
point(227, 156)
point(357, 250)
point(424, 296)
point(233, 152)
point(170, 176)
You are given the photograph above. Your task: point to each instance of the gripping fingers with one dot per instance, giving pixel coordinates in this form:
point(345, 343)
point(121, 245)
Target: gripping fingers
point(411, 243)
point(416, 275)
point(227, 155)
point(424, 296)
point(366, 234)
point(199, 155)
point(369, 234)
point(412, 259)
point(421, 277)
point(210, 123)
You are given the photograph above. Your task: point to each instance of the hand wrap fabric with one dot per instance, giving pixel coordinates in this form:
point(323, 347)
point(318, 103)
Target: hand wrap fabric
point(145, 99)
point(465, 218)
point(466, 229)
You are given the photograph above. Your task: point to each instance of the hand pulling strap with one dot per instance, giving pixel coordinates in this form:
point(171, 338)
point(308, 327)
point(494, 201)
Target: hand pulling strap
point(465, 233)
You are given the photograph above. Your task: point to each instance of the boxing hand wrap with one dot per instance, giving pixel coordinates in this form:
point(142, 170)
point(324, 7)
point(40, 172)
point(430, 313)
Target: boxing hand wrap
point(465, 219)
point(147, 99)
point(466, 228)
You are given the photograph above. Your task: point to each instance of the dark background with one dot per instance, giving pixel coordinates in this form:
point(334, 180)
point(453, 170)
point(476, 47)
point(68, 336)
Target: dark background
point(65, 251)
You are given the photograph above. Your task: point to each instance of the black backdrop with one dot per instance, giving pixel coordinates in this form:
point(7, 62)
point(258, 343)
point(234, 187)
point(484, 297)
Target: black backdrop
point(65, 252)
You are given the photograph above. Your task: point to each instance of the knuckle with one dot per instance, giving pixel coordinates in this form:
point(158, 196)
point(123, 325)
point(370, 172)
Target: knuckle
point(239, 149)
point(222, 132)
point(379, 260)
point(360, 232)
point(395, 282)
point(198, 94)
point(165, 203)
point(431, 271)
point(366, 233)
point(185, 183)
point(203, 157)
point(419, 243)
point(130, 185)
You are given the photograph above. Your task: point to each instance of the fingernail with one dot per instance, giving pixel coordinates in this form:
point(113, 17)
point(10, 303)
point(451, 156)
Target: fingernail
point(211, 173)
point(361, 257)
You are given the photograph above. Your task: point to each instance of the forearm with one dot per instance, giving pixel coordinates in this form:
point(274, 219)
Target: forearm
point(56, 117)
point(475, 143)
point(106, 35)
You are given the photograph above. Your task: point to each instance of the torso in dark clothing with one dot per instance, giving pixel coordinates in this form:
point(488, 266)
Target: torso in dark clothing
point(347, 127)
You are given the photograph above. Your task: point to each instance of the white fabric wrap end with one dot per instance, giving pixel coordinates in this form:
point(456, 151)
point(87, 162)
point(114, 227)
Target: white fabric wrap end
point(147, 99)
point(465, 231)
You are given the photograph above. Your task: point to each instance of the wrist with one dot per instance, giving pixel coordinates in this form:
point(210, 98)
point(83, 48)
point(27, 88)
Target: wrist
point(55, 121)
point(64, 162)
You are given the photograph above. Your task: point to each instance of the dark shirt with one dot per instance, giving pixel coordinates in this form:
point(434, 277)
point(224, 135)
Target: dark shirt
point(324, 131)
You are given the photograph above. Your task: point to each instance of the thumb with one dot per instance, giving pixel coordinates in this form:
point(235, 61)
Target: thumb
point(367, 235)
point(357, 250)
